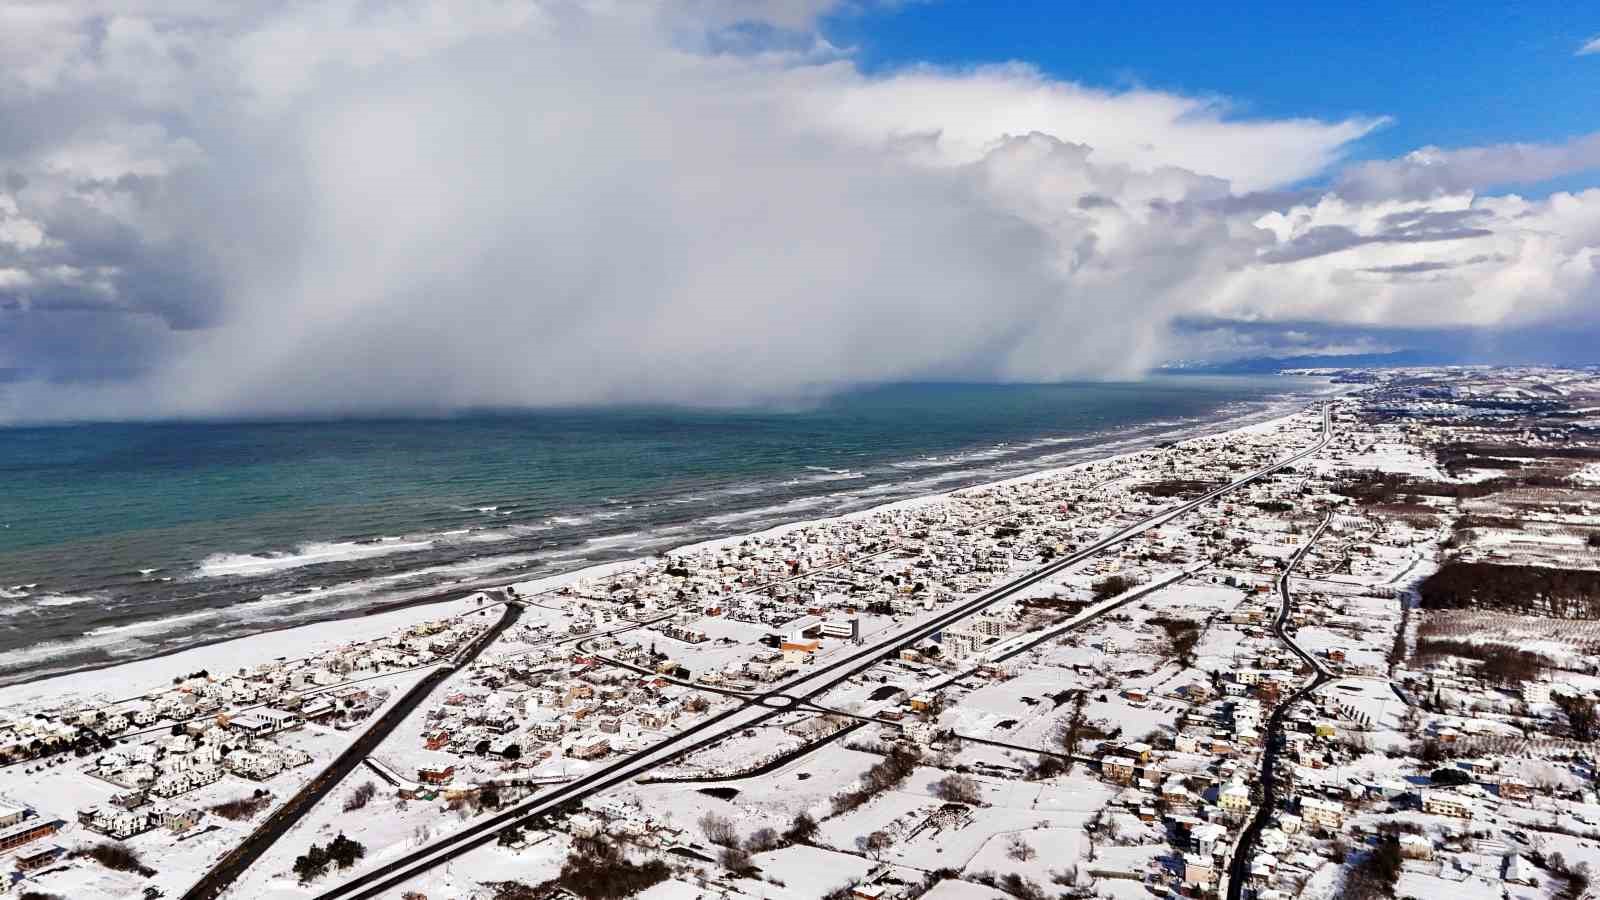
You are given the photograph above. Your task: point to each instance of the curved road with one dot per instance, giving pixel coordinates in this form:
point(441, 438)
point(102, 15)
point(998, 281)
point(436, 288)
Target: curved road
point(1239, 867)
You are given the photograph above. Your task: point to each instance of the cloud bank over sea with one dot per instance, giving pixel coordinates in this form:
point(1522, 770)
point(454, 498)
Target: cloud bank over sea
point(329, 208)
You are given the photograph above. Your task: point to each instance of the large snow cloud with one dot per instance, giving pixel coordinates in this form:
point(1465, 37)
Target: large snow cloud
point(349, 206)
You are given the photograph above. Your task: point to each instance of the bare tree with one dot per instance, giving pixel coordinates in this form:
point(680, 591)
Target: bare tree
point(877, 842)
point(718, 830)
point(958, 789)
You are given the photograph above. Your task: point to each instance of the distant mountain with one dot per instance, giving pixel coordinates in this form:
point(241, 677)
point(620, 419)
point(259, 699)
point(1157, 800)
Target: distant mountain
point(1268, 364)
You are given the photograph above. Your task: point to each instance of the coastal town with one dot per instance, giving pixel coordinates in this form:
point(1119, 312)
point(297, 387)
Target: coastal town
point(1346, 653)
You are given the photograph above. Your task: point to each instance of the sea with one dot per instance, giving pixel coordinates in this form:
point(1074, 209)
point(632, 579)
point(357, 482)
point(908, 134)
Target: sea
point(124, 541)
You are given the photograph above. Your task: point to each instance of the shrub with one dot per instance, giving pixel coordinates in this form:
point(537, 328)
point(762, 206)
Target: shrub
point(1112, 585)
point(957, 789)
point(244, 807)
point(600, 872)
point(117, 857)
point(763, 839)
point(890, 772)
point(341, 851)
point(362, 796)
point(737, 861)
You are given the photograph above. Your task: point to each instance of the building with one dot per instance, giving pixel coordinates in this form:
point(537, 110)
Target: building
point(799, 652)
point(594, 749)
point(1444, 803)
point(27, 830)
point(436, 774)
point(264, 721)
point(1118, 768)
point(1416, 846)
point(1322, 813)
point(1199, 870)
point(1234, 799)
point(37, 859)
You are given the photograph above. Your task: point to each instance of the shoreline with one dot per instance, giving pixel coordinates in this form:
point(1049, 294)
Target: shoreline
point(554, 580)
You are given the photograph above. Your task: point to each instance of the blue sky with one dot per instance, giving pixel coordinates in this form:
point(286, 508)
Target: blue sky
point(1448, 74)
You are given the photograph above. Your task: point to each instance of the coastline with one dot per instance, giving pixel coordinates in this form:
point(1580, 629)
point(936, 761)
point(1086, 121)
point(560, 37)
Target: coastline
point(326, 630)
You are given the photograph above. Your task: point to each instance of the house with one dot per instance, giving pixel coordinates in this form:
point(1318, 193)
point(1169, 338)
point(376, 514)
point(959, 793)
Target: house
point(116, 823)
point(1518, 871)
point(436, 775)
point(1416, 846)
point(590, 749)
point(1323, 813)
point(1119, 769)
point(1515, 791)
point(264, 721)
point(1234, 799)
point(1199, 870)
point(1444, 803)
point(37, 859)
point(180, 820)
point(1204, 837)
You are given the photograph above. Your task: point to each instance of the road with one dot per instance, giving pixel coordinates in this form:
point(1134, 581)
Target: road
point(801, 689)
point(276, 825)
point(1239, 867)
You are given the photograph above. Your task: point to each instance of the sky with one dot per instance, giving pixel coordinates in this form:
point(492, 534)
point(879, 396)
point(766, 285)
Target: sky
point(373, 206)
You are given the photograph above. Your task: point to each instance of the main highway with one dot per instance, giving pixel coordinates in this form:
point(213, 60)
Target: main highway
point(804, 688)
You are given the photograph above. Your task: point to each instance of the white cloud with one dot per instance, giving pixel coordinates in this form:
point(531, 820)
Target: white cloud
point(1592, 46)
point(353, 206)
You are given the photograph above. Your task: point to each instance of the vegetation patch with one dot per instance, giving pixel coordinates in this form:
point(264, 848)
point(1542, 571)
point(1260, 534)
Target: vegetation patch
point(1562, 593)
point(117, 857)
point(1185, 488)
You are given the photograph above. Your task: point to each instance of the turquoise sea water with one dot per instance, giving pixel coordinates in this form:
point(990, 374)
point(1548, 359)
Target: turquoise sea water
point(126, 540)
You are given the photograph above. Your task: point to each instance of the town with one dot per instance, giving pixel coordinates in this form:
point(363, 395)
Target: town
point(1346, 653)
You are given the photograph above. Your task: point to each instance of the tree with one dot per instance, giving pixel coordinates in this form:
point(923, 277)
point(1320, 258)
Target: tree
point(802, 828)
point(311, 865)
point(718, 830)
point(1112, 585)
point(362, 796)
point(737, 861)
point(1020, 850)
point(345, 852)
point(763, 839)
point(877, 842)
point(958, 789)
point(1580, 716)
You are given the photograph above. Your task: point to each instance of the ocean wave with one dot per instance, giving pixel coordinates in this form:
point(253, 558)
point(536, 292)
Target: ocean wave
point(167, 623)
point(65, 599)
point(309, 554)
